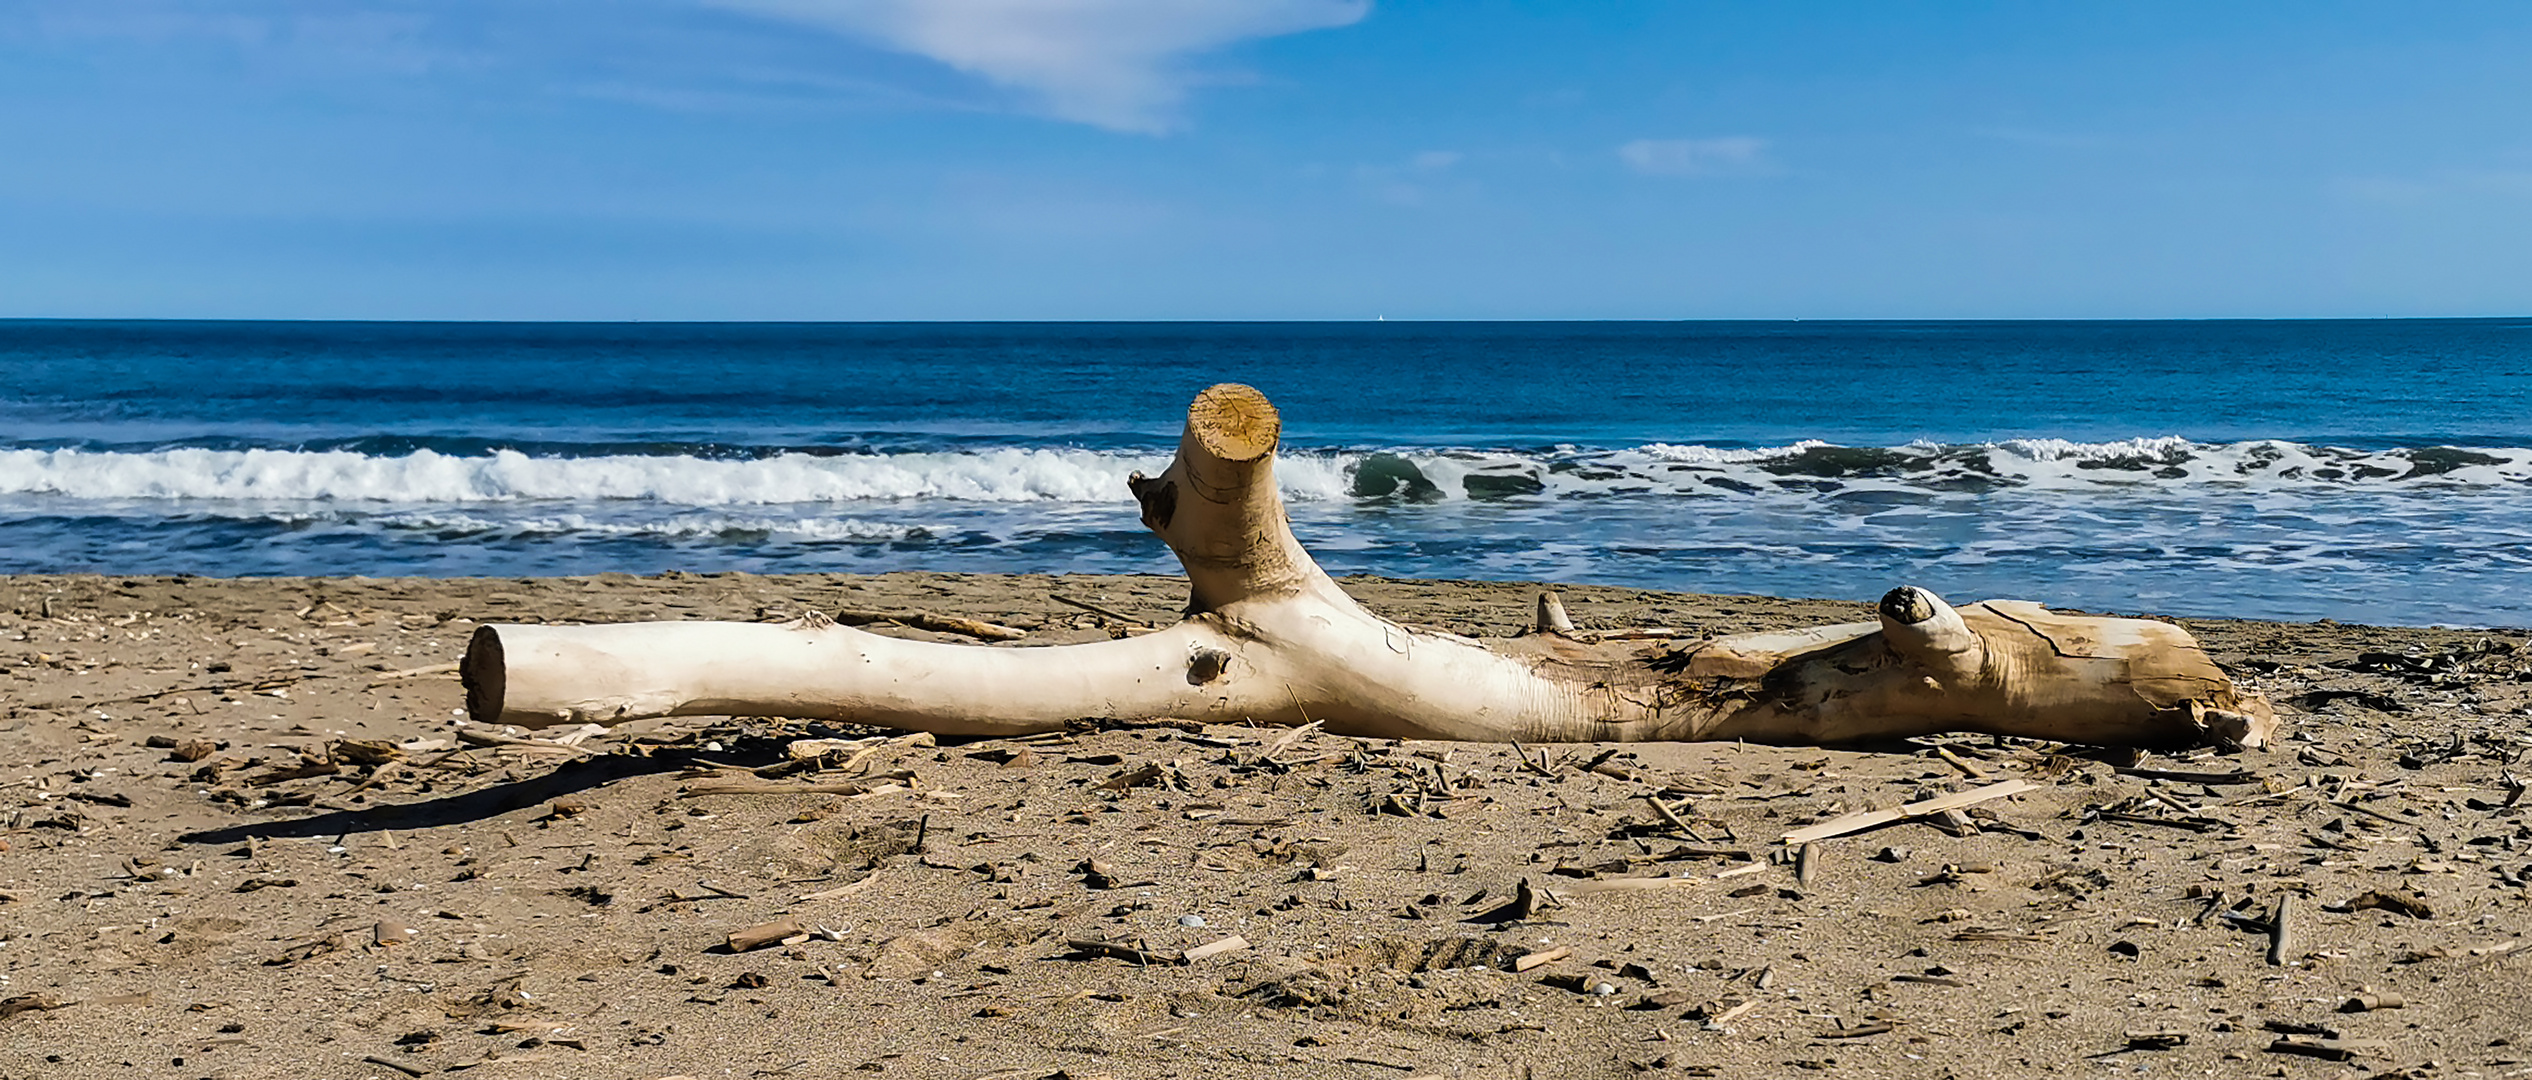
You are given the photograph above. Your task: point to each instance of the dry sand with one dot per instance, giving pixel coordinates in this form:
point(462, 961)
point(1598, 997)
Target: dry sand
point(243, 839)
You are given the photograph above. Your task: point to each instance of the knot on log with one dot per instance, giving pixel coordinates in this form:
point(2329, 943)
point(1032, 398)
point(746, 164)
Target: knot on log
point(1206, 665)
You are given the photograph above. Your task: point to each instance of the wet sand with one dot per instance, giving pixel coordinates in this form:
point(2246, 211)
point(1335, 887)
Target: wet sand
point(248, 835)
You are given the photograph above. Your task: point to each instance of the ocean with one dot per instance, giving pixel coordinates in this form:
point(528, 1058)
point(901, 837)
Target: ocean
point(2375, 471)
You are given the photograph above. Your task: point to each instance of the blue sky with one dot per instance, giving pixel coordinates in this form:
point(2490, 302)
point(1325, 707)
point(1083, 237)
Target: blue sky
point(1269, 159)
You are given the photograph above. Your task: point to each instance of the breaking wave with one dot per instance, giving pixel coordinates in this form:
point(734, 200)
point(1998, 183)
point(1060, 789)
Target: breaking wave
point(1043, 475)
point(508, 476)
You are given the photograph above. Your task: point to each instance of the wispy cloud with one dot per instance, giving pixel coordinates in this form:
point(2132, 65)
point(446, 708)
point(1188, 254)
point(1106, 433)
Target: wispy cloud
point(1737, 155)
point(1118, 64)
point(394, 37)
point(1126, 65)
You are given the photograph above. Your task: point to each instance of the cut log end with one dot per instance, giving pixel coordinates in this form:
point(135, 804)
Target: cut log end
point(1234, 422)
point(2250, 725)
point(485, 675)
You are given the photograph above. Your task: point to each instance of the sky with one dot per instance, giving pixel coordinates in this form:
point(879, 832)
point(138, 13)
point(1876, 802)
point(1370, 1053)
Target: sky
point(1262, 159)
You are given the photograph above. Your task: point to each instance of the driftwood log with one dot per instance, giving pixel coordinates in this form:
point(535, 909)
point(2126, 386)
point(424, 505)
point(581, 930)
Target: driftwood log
point(1270, 638)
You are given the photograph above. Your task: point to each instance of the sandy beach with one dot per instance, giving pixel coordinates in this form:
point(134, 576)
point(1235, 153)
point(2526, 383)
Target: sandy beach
point(247, 833)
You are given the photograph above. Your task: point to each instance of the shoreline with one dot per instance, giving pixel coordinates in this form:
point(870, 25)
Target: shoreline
point(1415, 599)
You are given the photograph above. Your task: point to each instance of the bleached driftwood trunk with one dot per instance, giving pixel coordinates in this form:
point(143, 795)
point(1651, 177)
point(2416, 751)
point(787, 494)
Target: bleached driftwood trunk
point(1270, 638)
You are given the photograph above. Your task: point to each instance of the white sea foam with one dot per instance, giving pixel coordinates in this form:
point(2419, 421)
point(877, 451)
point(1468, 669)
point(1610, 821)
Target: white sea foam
point(1715, 455)
point(1808, 469)
point(1006, 475)
point(2062, 450)
point(682, 527)
point(523, 521)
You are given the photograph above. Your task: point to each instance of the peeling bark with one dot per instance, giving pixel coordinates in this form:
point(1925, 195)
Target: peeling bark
point(1270, 638)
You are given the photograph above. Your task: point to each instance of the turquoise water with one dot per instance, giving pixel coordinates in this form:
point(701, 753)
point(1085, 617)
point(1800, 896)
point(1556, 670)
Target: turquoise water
point(2365, 470)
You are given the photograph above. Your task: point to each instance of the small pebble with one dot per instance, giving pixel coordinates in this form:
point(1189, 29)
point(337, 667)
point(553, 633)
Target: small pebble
point(1191, 920)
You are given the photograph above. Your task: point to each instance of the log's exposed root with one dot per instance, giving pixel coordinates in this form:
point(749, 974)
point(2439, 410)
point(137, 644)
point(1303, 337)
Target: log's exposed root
point(1270, 638)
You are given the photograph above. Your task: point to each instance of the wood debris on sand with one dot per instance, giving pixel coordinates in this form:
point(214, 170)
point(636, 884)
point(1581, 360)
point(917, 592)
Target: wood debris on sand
point(453, 898)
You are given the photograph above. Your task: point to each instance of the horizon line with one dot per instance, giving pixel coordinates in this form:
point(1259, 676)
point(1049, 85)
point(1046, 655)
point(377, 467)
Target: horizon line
point(1371, 321)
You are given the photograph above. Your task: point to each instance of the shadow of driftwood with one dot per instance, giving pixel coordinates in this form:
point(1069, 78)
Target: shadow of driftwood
point(488, 802)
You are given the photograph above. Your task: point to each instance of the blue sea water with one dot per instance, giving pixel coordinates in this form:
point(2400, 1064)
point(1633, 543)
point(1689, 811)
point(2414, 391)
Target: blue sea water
point(2375, 471)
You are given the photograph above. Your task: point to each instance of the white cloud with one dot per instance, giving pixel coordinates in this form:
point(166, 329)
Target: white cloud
point(1736, 155)
point(1438, 159)
point(1114, 63)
